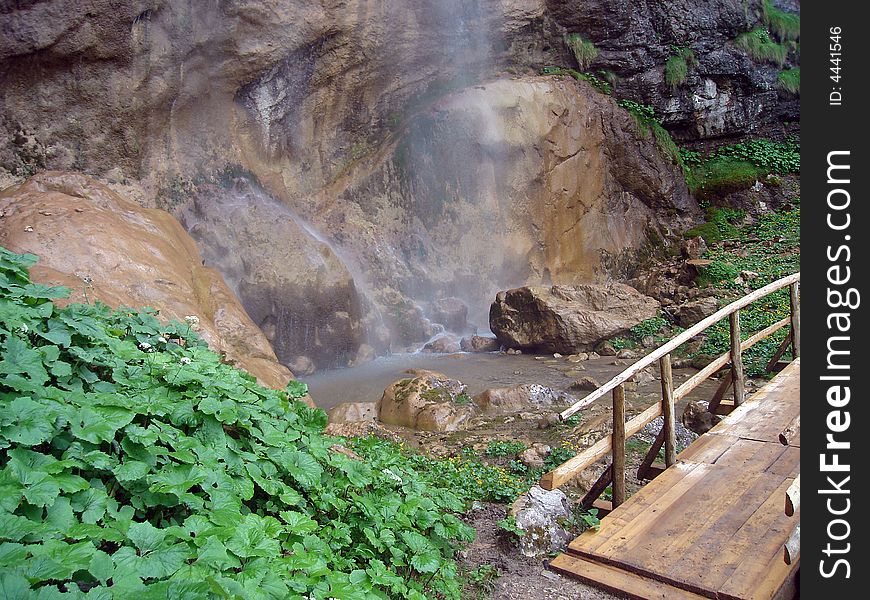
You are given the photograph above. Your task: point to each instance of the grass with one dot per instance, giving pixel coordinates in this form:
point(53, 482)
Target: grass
point(786, 25)
point(790, 80)
point(760, 46)
point(584, 50)
point(677, 66)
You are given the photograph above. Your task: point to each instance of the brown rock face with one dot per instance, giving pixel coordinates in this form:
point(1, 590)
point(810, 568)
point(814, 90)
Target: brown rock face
point(106, 248)
point(567, 319)
point(426, 402)
point(479, 343)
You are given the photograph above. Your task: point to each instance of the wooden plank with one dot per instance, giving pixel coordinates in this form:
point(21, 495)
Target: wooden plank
point(623, 537)
point(791, 433)
point(597, 488)
point(678, 341)
point(791, 551)
point(604, 507)
point(794, 301)
point(708, 448)
point(617, 581)
point(751, 455)
point(618, 449)
point(573, 466)
point(793, 497)
point(755, 548)
point(738, 380)
point(708, 560)
point(640, 503)
point(787, 466)
point(668, 410)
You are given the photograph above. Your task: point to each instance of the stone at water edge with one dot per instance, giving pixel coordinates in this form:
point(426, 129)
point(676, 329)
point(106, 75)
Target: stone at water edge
point(585, 384)
point(479, 343)
point(520, 397)
point(302, 365)
point(352, 412)
point(444, 344)
point(538, 513)
point(566, 319)
point(452, 313)
point(428, 401)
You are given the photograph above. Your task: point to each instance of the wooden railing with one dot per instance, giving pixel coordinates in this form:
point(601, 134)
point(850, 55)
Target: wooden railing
point(615, 443)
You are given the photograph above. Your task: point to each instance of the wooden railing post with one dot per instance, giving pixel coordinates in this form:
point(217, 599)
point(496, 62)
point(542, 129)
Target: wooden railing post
point(736, 359)
point(668, 410)
point(618, 445)
point(794, 299)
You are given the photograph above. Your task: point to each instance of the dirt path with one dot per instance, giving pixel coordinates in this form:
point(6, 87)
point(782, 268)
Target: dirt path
point(519, 577)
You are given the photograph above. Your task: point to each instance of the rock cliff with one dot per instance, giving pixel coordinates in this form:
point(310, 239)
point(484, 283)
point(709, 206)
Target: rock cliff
point(411, 144)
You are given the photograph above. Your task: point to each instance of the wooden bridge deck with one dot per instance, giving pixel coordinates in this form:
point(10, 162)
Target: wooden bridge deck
point(712, 525)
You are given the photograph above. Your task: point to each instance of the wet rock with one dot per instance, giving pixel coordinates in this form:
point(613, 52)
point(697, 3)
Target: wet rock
point(513, 351)
point(364, 355)
point(567, 319)
point(683, 435)
point(452, 313)
point(444, 344)
point(626, 354)
point(104, 247)
point(539, 513)
point(697, 418)
point(579, 357)
point(355, 429)
point(606, 349)
point(695, 311)
point(349, 412)
point(645, 376)
point(585, 384)
point(577, 371)
point(302, 365)
point(479, 343)
point(520, 397)
point(428, 401)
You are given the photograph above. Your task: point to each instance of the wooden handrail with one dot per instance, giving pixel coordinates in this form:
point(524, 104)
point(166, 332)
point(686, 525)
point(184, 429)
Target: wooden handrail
point(624, 430)
point(679, 340)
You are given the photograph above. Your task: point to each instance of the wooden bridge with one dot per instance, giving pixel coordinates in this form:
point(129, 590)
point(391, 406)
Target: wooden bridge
point(720, 520)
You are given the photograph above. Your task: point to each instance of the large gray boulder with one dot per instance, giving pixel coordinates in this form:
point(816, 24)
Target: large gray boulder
point(539, 513)
point(565, 318)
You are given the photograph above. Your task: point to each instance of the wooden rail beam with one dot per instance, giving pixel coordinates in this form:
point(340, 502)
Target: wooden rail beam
point(598, 488)
point(678, 341)
point(669, 426)
point(794, 300)
point(618, 442)
point(737, 377)
point(643, 471)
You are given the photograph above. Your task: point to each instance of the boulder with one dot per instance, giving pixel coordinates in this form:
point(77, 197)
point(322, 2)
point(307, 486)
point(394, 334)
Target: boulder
point(697, 418)
point(443, 344)
point(695, 311)
point(479, 343)
point(567, 319)
point(365, 354)
point(104, 247)
point(520, 397)
point(531, 458)
point(452, 313)
point(540, 513)
point(585, 384)
point(694, 248)
point(352, 412)
point(428, 401)
point(302, 365)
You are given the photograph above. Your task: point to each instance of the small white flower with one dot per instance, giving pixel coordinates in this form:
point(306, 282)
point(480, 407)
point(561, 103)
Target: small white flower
point(185, 360)
point(191, 320)
point(161, 340)
point(145, 346)
point(24, 328)
point(28, 229)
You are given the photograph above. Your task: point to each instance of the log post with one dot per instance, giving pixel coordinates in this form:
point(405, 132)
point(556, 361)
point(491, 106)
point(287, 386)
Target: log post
point(795, 319)
point(736, 359)
point(668, 410)
point(618, 445)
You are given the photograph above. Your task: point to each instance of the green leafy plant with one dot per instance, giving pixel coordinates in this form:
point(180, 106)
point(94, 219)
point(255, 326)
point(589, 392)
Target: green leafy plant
point(584, 50)
point(719, 225)
point(739, 166)
point(644, 116)
point(482, 580)
point(590, 518)
point(504, 448)
point(509, 524)
point(790, 80)
point(136, 464)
